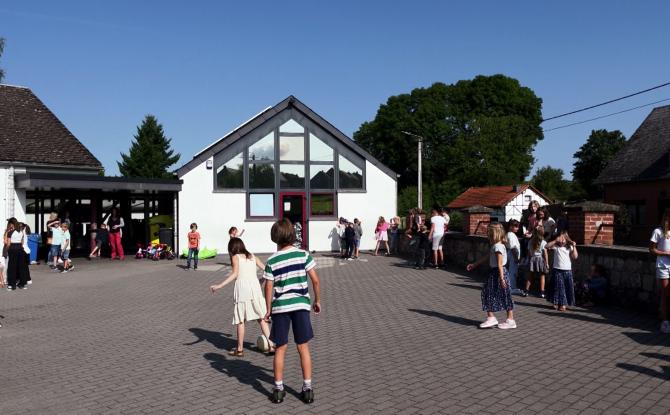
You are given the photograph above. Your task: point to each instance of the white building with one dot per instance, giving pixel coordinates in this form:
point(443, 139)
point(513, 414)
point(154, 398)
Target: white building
point(507, 202)
point(289, 162)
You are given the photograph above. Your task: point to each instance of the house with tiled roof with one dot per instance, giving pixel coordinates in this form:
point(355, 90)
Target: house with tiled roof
point(638, 177)
point(507, 202)
point(44, 168)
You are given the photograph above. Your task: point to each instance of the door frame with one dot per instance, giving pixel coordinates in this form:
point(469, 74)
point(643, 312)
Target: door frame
point(303, 195)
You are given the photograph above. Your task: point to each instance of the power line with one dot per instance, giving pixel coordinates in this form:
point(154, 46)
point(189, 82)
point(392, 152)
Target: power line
point(605, 103)
point(605, 116)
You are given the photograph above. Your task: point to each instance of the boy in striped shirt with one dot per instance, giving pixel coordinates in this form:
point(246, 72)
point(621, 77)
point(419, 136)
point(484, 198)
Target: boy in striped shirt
point(288, 303)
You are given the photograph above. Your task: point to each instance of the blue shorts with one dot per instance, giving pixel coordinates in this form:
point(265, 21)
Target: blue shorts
point(281, 323)
point(65, 255)
point(55, 250)
point(357, 243)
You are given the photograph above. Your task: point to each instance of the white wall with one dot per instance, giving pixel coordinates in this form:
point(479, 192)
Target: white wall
point(15, 198)
point(215, 213)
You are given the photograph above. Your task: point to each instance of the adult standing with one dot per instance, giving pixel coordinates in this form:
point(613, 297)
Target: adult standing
point(115, 224)
point(16, 256)
point(436, 235)
point(549, 225)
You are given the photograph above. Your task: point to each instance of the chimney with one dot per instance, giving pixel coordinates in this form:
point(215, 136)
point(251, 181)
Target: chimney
point(515, 188)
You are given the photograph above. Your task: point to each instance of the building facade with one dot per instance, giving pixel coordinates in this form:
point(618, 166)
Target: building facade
point(506, 202)
point(286, 162)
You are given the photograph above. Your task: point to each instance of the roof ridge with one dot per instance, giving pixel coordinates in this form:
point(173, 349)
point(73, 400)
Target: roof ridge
point(15, 86)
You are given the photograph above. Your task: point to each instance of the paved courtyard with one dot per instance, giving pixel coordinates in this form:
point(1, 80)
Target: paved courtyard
point(148, 337)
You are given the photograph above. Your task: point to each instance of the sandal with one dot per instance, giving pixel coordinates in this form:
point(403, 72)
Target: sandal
point(236, 353)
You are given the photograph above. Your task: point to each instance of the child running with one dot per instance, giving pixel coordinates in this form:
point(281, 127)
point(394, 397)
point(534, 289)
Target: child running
point(659, 245)
point(562, 286)
point(539, 260)
point(249, 302)
point(288, 303)
point(496, 294)
point(194, 246)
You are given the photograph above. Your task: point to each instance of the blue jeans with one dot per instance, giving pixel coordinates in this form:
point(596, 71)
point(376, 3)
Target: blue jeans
point(513, 270)
point(192, 253)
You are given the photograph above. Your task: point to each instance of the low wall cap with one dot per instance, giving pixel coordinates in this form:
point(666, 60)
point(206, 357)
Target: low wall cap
point(477, 209)
point(592, 206)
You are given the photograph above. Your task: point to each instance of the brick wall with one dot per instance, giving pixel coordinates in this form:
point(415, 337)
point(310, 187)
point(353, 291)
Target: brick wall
point(591, 227)
point(476, 223)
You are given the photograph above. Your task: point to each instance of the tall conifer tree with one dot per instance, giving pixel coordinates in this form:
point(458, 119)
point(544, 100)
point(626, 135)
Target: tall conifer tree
point(150, 155)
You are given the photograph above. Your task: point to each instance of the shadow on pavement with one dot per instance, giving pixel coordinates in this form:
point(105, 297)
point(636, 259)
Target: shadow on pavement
point(664, 374)
point(247, 373)
point(470, 286)
point(453, 319)
point(219, 340)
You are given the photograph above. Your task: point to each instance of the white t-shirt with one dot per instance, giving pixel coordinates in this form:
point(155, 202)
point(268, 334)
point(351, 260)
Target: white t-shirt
point(540, 249)
point(562, 257)
point(16, 237)
point(549, 226)
point(512, 243)
point(446, 217)
point(493, 257)
point(662, 244)
point(439, 223)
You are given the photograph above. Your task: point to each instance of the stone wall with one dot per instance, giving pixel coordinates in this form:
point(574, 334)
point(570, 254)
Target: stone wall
point(631, 270)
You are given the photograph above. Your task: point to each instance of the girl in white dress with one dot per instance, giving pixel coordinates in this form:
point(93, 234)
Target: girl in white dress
point(248, 297)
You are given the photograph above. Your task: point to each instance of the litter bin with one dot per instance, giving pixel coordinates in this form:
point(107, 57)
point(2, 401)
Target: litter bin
point(33, 244)
point(166, 236)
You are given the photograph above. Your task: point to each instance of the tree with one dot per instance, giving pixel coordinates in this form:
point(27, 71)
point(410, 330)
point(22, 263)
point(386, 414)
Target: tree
point(476, 132)
point(2, 49)
point(551, 182)
point(592, 158)
point(150, 155)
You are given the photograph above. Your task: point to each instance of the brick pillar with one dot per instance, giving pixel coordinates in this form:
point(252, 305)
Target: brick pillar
point(592, 223)
point(476, 220)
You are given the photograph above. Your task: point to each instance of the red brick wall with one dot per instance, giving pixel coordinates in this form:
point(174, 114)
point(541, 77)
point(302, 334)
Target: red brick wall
point(476, 223)
point(591, 227)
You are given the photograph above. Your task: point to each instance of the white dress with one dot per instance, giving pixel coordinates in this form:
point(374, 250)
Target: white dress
point(248, 296)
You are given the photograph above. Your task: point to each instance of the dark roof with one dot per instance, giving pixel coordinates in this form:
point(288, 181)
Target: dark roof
point(646, 156)
point(95, 182)
point(267, 114)
point(31, 133)
point(491, 196)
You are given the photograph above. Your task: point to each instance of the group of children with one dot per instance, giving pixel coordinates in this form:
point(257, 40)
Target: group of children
point(283, 301)
point(61, 243)
point(14, 270)
point(350, 234)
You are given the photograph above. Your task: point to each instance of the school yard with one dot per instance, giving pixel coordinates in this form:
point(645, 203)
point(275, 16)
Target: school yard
point(147, 337)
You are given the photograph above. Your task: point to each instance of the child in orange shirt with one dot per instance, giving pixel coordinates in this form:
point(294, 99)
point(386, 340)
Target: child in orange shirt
point(193, 247)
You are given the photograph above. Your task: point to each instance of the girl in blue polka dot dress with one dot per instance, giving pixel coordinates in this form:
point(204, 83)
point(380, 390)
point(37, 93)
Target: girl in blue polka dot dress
point(496, 294)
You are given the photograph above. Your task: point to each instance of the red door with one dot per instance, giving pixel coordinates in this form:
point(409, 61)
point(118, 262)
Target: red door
point(292, 206)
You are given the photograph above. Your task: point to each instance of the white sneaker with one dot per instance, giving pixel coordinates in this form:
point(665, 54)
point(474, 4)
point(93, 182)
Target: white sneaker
point(507, 324)
point(665, 326)
point(30, 282)
point(490, 322)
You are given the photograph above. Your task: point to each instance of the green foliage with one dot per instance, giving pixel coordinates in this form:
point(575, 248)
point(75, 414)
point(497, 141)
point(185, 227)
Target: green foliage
point(150, 155)
point(592, 158)
point(477, 132)
point(455, 221)
point(2, 49)
point(550, 181)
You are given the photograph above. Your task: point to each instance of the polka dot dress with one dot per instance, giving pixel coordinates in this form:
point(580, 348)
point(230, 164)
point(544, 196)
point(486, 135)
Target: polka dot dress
point(494, 297)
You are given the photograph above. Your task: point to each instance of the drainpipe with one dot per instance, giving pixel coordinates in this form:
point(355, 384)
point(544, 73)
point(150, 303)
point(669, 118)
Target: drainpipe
point(10, 192)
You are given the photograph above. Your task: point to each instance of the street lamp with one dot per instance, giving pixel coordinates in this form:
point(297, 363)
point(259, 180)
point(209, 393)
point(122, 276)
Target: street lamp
point(419, 157)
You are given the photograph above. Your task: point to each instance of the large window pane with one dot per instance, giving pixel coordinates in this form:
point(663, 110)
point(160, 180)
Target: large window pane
point(264, 149)
point(292, 176)
point(351, 176)
point(318, 150)
point(323, 205)
point(261, 176)
point(261, 204)
point(229, 175)
point(291, 148)
point(291, 126)
point(321, 177)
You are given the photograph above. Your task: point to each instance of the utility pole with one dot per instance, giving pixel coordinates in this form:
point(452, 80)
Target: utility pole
point(419, 189)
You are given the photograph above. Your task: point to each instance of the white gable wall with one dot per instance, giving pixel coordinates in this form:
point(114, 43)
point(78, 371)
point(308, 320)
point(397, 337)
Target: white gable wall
point(216, 212)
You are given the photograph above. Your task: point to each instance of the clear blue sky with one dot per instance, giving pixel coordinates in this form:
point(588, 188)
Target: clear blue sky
point(204, 67)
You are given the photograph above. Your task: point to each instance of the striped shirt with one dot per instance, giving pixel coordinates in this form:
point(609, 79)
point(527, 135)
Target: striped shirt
point(288, 271)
